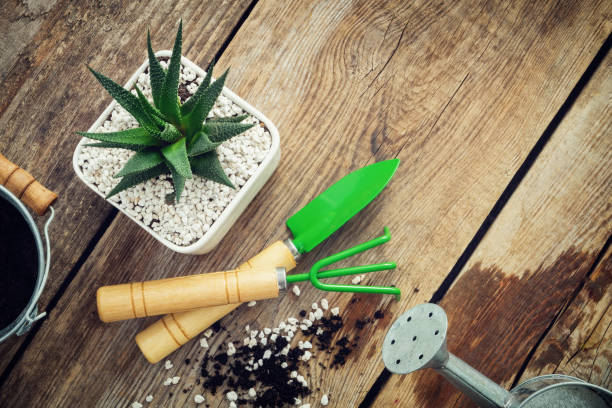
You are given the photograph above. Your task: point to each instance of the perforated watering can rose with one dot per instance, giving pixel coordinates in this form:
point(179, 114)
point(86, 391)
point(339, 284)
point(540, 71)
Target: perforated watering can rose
point(417, 340)
point(24, 264)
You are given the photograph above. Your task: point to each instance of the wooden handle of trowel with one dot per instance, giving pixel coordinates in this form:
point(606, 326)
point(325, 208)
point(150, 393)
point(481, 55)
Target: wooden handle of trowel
point(176, 329)
point(25, 187)
point(156, 297)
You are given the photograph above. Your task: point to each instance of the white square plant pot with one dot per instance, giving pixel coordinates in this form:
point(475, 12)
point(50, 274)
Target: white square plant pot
point(237, 205)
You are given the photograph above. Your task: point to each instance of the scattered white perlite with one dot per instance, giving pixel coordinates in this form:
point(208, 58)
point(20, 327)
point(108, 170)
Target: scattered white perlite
point(198, 399)
point(149, 398)
point(251, 303)
point(168, 365)
point(136, 405)
point(202, 201)
point(296, 290)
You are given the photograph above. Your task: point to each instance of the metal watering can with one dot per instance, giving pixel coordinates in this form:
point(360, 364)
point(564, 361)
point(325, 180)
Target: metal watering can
point(17, 187)
point(417, 340)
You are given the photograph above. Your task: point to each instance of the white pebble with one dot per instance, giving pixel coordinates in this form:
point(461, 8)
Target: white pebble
point(231, 350)
point(175, 380)
point(136, 405)
point(296, 290)
point(324, 304)
point(232, 404)
point(168, 381)
point(307, 355)
point(208, 333)
point(356, 280)
point(307, 345)
point(231, 396)
point(305, 406)
point(324, 400)
point(251, 303)
point(168, 365)
point(335, 311)
point(267, 354)
point(315, 306)
point(149, 398)
point(203, 342)
point(252, 393)
point(198, 399)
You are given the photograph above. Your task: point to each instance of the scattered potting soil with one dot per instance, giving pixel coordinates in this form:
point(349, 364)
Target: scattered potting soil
point(18, 263)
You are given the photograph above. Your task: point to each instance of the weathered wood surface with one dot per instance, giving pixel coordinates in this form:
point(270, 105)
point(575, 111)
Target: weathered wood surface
point(580, 342)
point(532, 260)
point(47, 94)
point(459, 92)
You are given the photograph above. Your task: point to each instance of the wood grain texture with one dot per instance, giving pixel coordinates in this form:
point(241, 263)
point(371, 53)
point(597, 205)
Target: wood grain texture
point(459, 92)
point(580, 342)
point(532, 260)
point(48, 94)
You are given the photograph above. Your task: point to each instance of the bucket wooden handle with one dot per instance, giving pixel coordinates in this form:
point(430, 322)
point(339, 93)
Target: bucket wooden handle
point(175, 329)
point(25, 187)
point(156, 297)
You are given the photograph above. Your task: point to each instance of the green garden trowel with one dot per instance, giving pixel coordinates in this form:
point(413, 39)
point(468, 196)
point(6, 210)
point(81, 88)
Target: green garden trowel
point(312, 224)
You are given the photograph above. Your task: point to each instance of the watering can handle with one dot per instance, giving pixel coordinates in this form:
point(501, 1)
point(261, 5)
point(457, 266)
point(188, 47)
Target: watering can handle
point(175, 329)
point(156, 297)
point(25, 187)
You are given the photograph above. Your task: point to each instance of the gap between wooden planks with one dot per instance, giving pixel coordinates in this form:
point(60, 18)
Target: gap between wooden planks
point(459, 92)
point(48, 94)
point(532, 260)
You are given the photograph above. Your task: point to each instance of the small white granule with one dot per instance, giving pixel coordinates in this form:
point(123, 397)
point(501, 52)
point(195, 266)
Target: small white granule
point(175, 380)
point(168, 381)
point(303, 327)
point(267, 330)
point(252, 393)
point(324, 304)
point(264, 341)
point(273, 337)
point(293, 374)
point(252, 343)
point(254, 333)
point(305, 406)
point(324, 400)
point(231, 350)
point(356, 280)
point(284, 364)
point(251, 303)
point(198, 399)
point(149, 398)
point(136, 404)
point(296, 401)
point(247, 328)
point(232, 396)
point(267, 354)
point(208, 333)
point(307, 322)
point(307, 355)
point(315, 306)
point(307, 345)
point(335, 311)
point(296, 290)
point(311, 315)
point(293, 320)
point(318, 314)
point(168, 365)
point(203, 342)
point(319, 331)
point(232, 404)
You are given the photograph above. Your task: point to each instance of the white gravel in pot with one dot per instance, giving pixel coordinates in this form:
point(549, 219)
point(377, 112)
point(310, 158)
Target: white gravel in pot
point(202, 201)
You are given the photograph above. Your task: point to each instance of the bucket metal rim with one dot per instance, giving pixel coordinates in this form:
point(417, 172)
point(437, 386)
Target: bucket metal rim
point(562, 380)
point(30, 314)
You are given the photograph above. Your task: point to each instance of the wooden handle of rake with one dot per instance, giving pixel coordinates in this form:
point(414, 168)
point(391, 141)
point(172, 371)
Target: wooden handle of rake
point(25, 187)
point(156, 297)
point(175, 329)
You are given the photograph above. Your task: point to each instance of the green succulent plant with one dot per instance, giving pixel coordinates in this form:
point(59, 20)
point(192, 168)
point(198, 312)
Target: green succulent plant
point(172, 138)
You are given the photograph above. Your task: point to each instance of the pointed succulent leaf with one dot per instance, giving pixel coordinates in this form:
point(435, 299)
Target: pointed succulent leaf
point(123, 97)
point(155, 116)
point(209, 167)
point(177, 159)
point(170, 133)
point(116, 145)
point(133, 137)
point(156, 73)
point(201, 144)
point(137, 178)
point(222, 131)
point(193, 121)
point(191, 102)
point(179, 184)
point(232, 119)
point(140, 162)
point(168, 103)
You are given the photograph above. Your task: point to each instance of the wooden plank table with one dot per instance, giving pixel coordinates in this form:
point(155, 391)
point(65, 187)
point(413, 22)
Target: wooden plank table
point(501, 210)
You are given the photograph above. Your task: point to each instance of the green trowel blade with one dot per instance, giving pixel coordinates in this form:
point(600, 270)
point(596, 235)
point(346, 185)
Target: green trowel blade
point(318, 219)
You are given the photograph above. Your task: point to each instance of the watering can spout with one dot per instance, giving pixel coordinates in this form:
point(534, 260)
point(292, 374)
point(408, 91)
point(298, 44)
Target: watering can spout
point(417, 340)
